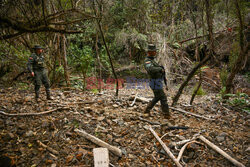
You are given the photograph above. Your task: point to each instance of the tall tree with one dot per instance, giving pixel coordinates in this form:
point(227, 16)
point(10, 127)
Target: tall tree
point(207, 57)
point(244, 47)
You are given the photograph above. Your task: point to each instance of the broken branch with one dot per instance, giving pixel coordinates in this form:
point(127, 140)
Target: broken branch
point(152, 123)
point(29, 114)
point(189, 113)
point(164, 147)
point(131, 105)
point(48, 148)
point(183, 149)
point(220, 151)
point(99, 142)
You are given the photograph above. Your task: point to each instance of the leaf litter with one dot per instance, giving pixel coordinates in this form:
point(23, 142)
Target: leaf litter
point(116, 122)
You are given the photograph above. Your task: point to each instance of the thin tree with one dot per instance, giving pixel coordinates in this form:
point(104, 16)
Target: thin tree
point(106, 47)
point(203, 61)
point(243, 50)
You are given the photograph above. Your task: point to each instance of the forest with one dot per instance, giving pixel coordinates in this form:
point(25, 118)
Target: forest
point(94, 75)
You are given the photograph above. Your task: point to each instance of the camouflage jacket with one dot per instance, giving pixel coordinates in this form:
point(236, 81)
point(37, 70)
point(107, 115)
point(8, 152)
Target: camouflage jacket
point(155, 71)
point(36, 62)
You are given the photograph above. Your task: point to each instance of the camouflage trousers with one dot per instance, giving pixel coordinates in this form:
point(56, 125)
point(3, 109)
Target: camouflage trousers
point(41, 78)
point(159, 95)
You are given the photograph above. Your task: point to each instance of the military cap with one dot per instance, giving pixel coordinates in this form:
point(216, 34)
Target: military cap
point(151, 47)
point(37, 47)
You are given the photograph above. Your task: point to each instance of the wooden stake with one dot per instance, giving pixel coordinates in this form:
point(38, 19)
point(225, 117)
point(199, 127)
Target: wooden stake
point(220, 151)
point(164, 146)
point(99, 142)
point(101, 157)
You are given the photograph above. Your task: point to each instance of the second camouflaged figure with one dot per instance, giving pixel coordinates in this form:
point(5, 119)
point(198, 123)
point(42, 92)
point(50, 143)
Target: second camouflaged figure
point(156, 72)
point(36, 66)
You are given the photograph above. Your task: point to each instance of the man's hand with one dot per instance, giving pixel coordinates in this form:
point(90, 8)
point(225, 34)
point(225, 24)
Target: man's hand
point(166, 88)
point(32, 74)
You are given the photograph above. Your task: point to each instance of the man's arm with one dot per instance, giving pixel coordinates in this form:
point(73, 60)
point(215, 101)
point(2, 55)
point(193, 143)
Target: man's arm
point(30, 65)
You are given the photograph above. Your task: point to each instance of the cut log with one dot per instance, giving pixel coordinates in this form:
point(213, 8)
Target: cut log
point(220, 151)
point(101, 157)
point(99, 142)
point(164, 146)
point(189, 113)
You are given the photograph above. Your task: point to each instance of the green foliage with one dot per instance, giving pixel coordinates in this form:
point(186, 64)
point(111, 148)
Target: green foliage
point(81, 59)
point(223, 76)
point(22, 86)
point(222, 92)
point(239, 100)
point(95, 91)
point(234, 54)
point(247, 76)
point(200, 91)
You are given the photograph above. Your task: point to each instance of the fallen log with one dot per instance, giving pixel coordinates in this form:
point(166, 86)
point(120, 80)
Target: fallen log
point(99, 142)
point(164, 146)
point(189, 113)
point(220, 151)
point(29, 114)
point(48, 148)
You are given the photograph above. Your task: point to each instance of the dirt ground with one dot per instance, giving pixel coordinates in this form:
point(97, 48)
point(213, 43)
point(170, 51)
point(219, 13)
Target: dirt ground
point(114, 121)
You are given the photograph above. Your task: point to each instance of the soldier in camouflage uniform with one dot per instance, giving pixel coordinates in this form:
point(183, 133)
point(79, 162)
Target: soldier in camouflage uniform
point(36, 67)
point(156, 74)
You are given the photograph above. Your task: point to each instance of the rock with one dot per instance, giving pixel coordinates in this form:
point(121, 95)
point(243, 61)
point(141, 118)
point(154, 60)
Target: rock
point(131, 156)
point(181, 137)
point(29, 133)
point(115, 106)
point(110, 138)
point(201, 111)
point(248, 149)
point(11, 135)
point(147, 151)
point(53, 165)
point(220, 138)
point(45, 124)
point(100, 118)
point(170, 134)
point(191, 154)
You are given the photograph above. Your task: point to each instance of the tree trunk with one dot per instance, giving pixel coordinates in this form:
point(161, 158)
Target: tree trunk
point(99, 61)
point(107, 49)
point(205, 60)
point(189, 77)
point(197, 89)
point(243, 51)
point(65, 62)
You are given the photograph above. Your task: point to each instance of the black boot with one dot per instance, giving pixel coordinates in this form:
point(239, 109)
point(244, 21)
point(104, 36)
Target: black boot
point(149, 107)
point(165, 110)
point(37, 96)
point(48, 95)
